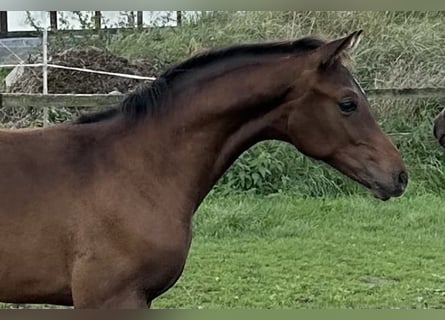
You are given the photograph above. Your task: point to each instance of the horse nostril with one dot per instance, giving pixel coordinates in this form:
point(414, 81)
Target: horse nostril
point(403, 178)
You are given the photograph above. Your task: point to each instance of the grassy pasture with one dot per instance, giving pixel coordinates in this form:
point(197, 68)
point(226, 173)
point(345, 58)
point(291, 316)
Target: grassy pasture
point(282, 252)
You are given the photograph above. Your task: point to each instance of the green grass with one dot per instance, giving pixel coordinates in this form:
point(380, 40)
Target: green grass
point(285, 252)
point(398, 49)
point(279, 252)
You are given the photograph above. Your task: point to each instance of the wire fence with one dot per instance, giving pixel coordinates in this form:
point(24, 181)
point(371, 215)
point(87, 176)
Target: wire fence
point(56, 66)
point(23, 110)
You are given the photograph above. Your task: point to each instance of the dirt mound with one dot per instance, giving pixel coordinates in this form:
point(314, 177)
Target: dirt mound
point(69, 81)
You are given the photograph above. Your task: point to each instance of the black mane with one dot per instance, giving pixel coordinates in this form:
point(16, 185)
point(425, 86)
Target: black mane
point(151, 98)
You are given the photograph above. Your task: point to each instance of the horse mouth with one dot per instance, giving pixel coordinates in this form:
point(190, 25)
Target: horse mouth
point(381, 192)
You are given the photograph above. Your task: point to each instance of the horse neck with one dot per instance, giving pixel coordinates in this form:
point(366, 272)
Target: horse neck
point(213, 122)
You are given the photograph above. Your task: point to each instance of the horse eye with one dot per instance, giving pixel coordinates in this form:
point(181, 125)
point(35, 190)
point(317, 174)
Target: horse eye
point(347, 106)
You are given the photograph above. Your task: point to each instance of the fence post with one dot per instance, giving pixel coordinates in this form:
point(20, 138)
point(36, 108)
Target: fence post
point(45, 65)
point(179, 18)
point(53, 20)
point(97, 20)
point(3, 23)
point(140, 19)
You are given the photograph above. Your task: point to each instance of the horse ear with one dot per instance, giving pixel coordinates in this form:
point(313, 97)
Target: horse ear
point(331, 51)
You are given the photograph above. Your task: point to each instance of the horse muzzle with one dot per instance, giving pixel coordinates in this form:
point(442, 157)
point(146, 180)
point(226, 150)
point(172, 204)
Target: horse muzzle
point(390, 190)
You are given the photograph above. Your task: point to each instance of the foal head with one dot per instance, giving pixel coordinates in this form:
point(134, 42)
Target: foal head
point(328, 118)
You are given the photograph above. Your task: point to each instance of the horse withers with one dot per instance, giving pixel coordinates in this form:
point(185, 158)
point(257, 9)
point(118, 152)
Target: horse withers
point(97, 213)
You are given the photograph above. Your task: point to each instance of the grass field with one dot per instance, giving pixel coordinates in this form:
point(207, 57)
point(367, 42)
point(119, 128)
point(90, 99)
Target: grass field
point(279, 252)
point(285, 252)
